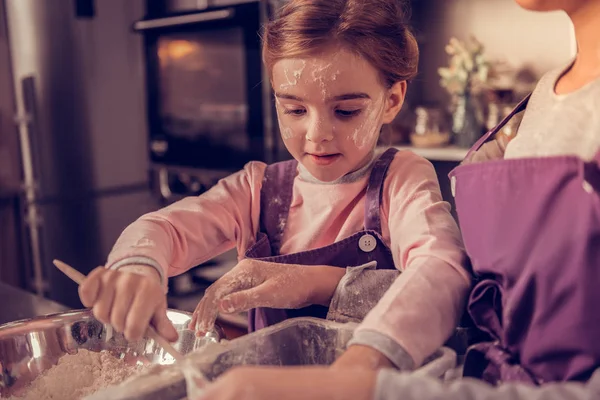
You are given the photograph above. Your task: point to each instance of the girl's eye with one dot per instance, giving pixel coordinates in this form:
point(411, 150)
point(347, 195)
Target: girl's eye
point(295, 111)
point(348, 113)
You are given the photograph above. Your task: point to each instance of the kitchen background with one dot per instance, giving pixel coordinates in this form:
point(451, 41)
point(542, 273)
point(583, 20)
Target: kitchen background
point(113, 108)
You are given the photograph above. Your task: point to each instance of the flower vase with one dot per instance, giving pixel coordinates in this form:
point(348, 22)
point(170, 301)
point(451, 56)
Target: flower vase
point(466, 124)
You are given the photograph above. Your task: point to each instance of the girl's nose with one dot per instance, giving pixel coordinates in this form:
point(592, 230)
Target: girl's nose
point(319, 130)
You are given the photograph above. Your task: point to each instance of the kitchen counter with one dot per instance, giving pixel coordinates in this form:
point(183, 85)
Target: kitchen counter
point(18, 304)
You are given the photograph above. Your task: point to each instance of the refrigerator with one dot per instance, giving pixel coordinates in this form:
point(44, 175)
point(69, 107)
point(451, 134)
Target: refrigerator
point(79, 114)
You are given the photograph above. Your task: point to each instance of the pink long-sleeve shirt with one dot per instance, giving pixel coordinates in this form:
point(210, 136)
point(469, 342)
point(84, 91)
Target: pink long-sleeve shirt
point(423, 304)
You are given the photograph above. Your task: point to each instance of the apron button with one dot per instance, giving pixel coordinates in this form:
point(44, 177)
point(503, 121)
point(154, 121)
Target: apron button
point(367, 243)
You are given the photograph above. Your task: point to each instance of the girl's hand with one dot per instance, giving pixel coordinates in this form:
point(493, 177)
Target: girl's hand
point(253, 283)
point(291, 383)
point(128, 299)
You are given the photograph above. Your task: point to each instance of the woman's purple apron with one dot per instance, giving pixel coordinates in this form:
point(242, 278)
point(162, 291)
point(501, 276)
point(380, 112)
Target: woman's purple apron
point(532, 230)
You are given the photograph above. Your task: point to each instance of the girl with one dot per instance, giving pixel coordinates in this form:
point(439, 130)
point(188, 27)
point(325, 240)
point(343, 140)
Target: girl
point(531, 225)
point(338, 69)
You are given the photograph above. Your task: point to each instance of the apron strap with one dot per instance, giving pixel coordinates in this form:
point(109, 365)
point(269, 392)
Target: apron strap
point(375, 188)
point(597, 159)
point(275, 198)
point(520, 107)
point(592, 174)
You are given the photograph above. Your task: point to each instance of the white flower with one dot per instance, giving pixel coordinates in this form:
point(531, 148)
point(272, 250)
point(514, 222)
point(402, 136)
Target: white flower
point(467, 67)
point(469, 64)
point(445, 72)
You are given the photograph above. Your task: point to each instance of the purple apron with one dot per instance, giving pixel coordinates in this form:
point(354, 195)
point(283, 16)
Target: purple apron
point(532, 230)
point(360, 248)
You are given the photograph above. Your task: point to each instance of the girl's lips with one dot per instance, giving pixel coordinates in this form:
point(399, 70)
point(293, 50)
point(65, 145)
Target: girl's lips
point(324, 159)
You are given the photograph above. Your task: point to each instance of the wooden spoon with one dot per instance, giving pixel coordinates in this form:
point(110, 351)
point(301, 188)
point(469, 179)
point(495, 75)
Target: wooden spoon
point(78, 278)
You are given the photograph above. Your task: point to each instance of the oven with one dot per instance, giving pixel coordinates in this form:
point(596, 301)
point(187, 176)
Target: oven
point(210, 108)
point(209, 103)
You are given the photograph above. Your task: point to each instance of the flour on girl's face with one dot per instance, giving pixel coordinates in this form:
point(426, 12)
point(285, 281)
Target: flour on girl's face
point(322, 73)
point(366, 132)
point(293, 76)
point(331, 103)
point(324, 76)
point(285, 130)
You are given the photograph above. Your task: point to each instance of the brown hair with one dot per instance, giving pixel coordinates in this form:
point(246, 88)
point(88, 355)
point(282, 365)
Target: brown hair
point(374, 29)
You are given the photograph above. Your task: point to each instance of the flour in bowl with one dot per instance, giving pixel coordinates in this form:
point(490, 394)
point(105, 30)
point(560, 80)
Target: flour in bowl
point(78, 375)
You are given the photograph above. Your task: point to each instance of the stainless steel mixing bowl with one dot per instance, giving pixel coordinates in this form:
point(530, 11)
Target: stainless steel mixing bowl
point(29, 347)
point(298, 341)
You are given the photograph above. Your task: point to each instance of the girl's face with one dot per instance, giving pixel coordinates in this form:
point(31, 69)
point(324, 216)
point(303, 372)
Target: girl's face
point(331, 107)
